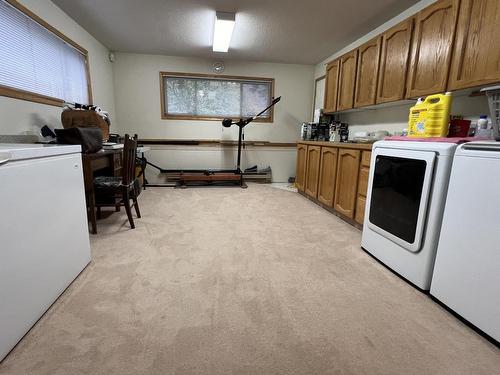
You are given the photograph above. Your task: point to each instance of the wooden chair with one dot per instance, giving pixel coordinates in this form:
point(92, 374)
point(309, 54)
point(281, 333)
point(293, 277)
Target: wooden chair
point(115, 191)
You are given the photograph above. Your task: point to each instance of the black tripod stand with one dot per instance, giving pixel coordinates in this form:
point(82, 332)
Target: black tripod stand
point(241, 123)
point(224, 176)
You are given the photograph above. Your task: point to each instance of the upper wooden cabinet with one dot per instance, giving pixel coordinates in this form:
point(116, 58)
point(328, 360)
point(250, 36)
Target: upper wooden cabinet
point(367, 72)
point(300, 175)
point(328, 169)
point(346, 186)
point(476, 58)
point(394, 60)
point(331, 86)
point(312, 170)
point(431, 48)
point(347, 80)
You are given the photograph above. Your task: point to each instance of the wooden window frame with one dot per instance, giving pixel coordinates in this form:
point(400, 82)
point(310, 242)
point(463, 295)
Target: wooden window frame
point(165, 116)
point(15, 93)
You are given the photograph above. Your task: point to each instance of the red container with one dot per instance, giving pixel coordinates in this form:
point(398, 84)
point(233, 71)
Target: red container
point(459, 128)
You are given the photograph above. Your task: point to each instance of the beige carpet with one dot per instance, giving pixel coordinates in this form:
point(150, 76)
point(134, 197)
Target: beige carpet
point(232, 281)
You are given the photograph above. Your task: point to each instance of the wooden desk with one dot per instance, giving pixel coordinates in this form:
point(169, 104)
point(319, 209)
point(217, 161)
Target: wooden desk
point(107, 161)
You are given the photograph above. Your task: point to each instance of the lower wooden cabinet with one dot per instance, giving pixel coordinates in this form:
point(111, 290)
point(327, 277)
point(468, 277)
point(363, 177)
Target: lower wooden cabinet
point(364, 171)
point(363, 181)
point(335, 176)
point(300, 173)
point(360, 210)
point(312, 170)
point(346, 185)
point(328, 170)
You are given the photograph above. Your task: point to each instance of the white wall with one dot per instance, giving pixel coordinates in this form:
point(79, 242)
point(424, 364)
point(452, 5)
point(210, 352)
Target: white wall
point(23, 117)
point(137, 99)
point(394, 118)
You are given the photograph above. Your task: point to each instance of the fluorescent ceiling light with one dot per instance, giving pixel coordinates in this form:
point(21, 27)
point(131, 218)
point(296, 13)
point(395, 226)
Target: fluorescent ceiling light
point(223, 30)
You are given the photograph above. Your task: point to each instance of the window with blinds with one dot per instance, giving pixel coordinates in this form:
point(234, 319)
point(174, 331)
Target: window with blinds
point(37, 62)
point(203, 97)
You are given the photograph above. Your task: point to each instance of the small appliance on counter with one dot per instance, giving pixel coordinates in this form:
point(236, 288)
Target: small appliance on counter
point(303, 131)
point(318, 131)
point(339, 131)
point(343, 131)
point(309, 131)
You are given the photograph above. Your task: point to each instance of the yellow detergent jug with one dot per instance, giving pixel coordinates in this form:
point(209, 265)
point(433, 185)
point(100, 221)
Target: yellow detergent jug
point(430, 117)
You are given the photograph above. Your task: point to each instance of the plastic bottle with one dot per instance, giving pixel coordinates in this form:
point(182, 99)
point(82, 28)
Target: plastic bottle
point(483, 129)
point(430, 117)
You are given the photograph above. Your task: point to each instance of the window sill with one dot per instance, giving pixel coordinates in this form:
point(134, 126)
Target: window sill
point(200, 118)
point(30, 97)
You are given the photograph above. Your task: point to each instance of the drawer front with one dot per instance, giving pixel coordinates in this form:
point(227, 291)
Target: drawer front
point(363, 181)
point(360, 210)
point(365, 158)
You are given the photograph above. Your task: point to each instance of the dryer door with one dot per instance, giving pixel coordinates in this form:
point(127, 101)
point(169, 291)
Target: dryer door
point(398, 194)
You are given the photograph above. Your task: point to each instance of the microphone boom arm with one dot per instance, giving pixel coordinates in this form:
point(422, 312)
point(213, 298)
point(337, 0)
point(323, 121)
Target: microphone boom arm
point(241, 123)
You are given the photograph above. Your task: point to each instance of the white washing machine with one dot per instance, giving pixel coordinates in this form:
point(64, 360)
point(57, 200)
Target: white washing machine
point(467, 270)
point(406, 195)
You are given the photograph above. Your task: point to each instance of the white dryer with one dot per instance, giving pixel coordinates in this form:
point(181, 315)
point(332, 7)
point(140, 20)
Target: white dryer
point(406, 195)
point(467, 271)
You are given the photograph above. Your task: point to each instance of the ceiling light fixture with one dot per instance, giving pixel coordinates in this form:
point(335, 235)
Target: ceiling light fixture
point(223, 30)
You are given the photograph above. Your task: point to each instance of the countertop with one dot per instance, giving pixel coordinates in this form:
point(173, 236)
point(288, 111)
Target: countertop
point(354, 146)
point(22, 151)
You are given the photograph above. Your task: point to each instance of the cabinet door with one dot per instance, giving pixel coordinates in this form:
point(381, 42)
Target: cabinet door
point(328, 169)
point(346, 185)
point(312, 171)
point(360, 210)
point(300, 173)
point(363, 180)
point(366, 77)
point(394, 62)
point(331, 86)
point(431, 48)
point(347, 80)
point(366, 158)
point(476, 56)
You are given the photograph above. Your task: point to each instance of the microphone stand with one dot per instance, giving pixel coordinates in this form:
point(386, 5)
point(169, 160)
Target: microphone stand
point(241, 123)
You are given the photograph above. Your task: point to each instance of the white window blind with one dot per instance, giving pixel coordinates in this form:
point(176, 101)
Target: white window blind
point(34, 59)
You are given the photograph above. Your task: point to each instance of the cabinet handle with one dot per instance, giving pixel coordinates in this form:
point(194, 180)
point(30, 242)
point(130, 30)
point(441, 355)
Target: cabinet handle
point(4, 157)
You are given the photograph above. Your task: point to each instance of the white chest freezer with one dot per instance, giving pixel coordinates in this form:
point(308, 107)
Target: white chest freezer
point(44, 240)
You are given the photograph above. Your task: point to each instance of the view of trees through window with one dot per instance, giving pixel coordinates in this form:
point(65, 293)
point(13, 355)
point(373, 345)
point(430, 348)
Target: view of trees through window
point(204, 98)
